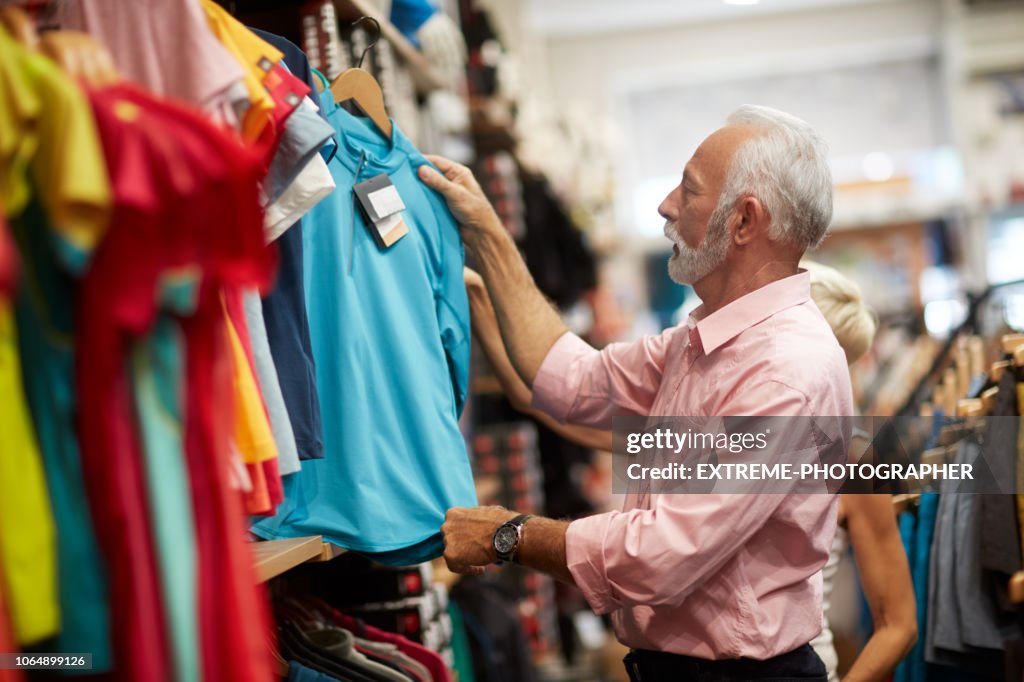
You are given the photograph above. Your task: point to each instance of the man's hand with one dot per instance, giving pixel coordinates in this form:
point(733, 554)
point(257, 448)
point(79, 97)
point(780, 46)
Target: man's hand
point(465, 199)
point(468, 537)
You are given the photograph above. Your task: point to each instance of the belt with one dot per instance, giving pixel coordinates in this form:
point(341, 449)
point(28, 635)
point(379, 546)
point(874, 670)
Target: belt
point(802, 663)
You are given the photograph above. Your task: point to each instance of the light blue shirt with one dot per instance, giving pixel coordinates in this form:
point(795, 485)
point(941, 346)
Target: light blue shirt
point(390, 337)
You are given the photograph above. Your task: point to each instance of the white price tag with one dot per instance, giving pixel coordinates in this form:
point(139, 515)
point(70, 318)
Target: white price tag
point(386, 201)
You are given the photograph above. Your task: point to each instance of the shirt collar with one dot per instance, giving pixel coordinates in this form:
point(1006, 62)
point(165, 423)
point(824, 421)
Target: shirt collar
point(727, 323)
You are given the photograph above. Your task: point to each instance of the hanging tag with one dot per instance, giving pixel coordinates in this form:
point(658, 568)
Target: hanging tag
point(382, 206)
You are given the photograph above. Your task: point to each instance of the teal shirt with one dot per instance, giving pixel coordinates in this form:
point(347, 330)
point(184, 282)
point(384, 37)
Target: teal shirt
point(390, 337)
point(45, 317)
point(157, 368)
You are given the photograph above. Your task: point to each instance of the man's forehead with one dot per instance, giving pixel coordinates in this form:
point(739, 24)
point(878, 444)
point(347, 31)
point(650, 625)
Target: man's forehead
point(716, 150)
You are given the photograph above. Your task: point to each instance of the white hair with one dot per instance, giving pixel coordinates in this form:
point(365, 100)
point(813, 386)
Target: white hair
point(786, 168)
point(840, 301)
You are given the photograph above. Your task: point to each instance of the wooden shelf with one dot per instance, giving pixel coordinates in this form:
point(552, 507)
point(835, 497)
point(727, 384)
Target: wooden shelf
point(274, 557)
point(329, 551)
point(424, 76)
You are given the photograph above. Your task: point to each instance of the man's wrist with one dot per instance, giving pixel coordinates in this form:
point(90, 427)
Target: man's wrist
point(492, 551)
point(485, 230)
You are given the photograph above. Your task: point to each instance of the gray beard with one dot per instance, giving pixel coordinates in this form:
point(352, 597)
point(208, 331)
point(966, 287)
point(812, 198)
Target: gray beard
point(692, 265)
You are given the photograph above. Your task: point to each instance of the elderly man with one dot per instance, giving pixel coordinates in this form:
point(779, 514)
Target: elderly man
point(711, 586)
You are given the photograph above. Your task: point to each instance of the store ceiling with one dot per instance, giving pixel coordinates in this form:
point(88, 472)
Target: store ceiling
point(581, 17)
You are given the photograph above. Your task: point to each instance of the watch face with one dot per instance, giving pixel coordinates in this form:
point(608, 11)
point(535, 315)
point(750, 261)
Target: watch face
point(505, 539)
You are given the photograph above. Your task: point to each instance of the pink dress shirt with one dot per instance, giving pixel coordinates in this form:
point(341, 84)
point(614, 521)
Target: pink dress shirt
point(712, 575)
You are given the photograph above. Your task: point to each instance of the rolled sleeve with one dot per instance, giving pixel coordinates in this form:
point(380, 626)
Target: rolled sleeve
point(584, 555)
point(554, 387)
point(581, 385)
point(655, 557)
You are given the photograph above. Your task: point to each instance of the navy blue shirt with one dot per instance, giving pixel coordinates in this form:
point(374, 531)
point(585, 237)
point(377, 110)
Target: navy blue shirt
point(284, 308)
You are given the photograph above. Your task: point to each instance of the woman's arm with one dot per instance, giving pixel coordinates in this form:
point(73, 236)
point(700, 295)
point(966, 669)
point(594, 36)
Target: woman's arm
point(485, 328)
point(885, 576)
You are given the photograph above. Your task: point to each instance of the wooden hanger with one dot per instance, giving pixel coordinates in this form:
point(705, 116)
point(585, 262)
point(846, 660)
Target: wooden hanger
point(905, 501)
point(1017, 588)
point(988, 399)
point(970, 407)
point(20, 26)
point(1011, 342)
point(976, 355)
point(996, 372)
point(362, 88)
point(1018, 356)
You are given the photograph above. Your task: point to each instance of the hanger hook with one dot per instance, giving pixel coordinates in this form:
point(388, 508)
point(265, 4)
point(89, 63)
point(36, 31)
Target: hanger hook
point(375, 39)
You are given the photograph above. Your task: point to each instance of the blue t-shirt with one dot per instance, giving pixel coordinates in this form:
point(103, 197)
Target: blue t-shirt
point(390, 333)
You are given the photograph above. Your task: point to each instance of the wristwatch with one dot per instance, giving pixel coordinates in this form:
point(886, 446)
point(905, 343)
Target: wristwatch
point(508, 536)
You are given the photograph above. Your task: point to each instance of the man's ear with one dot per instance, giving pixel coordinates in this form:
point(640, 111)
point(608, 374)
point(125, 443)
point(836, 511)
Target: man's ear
point(750, 219)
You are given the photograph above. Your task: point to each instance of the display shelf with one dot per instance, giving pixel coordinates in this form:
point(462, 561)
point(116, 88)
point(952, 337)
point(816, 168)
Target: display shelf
point(329, 551)
point(424, 76)
point(274, 557)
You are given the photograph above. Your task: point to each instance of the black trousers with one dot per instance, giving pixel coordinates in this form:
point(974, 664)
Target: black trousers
point(658, 666)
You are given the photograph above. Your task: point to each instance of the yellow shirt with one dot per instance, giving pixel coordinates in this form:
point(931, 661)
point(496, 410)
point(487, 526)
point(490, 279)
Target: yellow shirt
point(64, 152)
point(20, 107)
point(28, 552)
point(252, 434)
point(251, 51)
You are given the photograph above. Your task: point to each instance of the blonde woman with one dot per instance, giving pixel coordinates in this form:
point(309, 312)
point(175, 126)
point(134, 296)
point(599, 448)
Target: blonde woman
point(866, 522)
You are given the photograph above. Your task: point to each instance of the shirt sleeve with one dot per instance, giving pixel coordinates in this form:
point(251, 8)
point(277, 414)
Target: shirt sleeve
point(451, 300)
point(623, 559)
point(581, 385)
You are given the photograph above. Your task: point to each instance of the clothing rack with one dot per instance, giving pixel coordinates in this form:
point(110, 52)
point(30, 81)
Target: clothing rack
point(969, 325)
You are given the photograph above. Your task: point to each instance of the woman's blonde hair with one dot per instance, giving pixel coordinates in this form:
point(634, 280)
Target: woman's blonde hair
point(840, 301)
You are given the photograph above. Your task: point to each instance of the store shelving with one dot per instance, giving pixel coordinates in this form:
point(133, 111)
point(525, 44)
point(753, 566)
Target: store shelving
point(274, 557)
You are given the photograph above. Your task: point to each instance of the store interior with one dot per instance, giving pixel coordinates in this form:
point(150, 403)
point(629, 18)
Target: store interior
point(577, 118)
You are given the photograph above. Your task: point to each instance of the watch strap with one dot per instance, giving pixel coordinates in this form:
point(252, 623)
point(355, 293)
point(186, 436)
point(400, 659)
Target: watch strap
point(517, 522)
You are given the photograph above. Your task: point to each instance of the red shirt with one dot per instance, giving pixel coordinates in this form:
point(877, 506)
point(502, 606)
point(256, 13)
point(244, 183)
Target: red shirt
point(8, 259)
point(185, 198)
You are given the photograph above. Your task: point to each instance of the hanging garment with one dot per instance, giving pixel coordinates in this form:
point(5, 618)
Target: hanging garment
point(303, 137)
point(266, 373)
point(252, 433)
point(390, 334)
point(28, 558)
point(255, 56)
point(47, 138)
point(1000, 548)
point(907, 522)
point(917, 534)
point(460, 645)
point(165, 45)
point(156, 371)
point(207, 226)
point(7, 639)
point(284, 308)
point(431, 660)
point(1020, 464)
point(963, 631)
point(500, 649)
